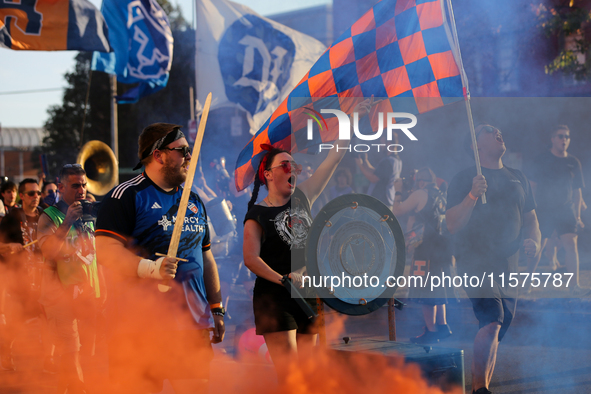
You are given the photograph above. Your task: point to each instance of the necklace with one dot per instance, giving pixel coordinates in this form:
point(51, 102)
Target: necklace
point(269, 202)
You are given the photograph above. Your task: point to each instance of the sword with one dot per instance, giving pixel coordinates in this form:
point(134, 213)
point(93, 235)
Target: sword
point(180, 216)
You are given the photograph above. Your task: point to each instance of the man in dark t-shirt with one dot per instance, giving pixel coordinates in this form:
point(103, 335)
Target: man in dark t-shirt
point(557, 180)
point(488, 239)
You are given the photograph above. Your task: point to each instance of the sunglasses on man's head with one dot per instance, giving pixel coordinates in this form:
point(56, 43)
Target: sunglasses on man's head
point(184, 150)
point(75, 165)
point(32, 193)
point(289, 166)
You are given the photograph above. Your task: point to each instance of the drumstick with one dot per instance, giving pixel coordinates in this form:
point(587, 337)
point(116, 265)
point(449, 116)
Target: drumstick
point(27, 245)
point(165, 255)
point(30, 243)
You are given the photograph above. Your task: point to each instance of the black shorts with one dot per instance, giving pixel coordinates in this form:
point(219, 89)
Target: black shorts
point(490, 310)
point(428, 262)
point(276, 311)
point(561, 219)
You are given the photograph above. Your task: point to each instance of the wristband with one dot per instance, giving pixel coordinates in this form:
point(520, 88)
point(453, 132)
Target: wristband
point(149, 268)
point(216, 305)
point(398, 194)
point(218, 311)
point(472, 197)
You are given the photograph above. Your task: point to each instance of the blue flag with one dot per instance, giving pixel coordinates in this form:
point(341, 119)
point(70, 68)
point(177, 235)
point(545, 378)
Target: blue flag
point(141, 38)
point(47, 25)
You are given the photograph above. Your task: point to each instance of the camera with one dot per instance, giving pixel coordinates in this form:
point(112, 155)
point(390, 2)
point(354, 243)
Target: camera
point(89, 210)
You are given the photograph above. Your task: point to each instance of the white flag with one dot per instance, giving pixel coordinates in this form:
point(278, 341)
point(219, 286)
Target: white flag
point(247, 60)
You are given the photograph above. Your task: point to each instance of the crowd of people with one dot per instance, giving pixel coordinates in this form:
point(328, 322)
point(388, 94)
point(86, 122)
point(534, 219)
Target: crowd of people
point(63, 268)
point(448, 229)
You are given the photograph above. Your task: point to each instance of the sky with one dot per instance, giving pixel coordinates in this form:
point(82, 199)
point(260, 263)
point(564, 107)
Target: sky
point(40, 70)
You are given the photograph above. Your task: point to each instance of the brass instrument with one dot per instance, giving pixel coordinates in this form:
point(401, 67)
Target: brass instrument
point(100, 164)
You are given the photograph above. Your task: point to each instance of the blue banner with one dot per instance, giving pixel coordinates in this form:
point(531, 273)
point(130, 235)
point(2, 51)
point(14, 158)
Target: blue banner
point(140, 35)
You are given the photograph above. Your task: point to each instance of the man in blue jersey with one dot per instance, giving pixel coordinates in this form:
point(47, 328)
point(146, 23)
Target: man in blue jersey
point(157, 335)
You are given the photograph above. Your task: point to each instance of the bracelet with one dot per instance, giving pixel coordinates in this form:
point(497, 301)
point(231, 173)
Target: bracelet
point(216, 305)
point(472, 197)
point(218, 311)
point(149, 268)
point(398, 194)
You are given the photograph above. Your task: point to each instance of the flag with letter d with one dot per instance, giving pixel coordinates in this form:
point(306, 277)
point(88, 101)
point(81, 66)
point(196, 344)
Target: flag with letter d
point(49, 25)
point(142, 41)
point(247, 60)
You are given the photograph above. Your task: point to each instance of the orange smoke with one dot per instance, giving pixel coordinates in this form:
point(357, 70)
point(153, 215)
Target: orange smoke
point(326, 372)
point(329, 372)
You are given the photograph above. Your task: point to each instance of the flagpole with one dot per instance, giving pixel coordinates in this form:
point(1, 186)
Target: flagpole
point(455, 46)
point(114, 128)
point(196, 97)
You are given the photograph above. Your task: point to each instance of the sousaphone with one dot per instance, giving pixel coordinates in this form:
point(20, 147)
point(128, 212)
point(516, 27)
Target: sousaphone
point(100, 164)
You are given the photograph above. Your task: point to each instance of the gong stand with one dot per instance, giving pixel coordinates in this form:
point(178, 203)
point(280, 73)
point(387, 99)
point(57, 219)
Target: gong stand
point(356, 235)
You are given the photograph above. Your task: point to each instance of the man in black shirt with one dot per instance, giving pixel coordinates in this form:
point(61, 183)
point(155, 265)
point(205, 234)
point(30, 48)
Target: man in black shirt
point(488, 239)
point(557, 180)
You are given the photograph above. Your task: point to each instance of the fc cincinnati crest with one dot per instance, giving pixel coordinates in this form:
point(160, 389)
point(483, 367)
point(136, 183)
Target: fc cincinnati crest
point(292, 225)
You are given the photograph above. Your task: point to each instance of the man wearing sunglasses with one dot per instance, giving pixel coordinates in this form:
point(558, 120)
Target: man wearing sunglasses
point(488, 238)
point(20, 227)
point(557, 180)
point(167, 334)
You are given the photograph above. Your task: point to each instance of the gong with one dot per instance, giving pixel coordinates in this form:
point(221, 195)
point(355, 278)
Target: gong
point(355, 241)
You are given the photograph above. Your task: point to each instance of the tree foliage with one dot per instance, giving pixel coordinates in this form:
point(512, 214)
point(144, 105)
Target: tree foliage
point(566, 20)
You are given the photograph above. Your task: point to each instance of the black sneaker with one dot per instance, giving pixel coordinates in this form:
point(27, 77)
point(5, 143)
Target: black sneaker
point(482, 390)
point(426, 337)
point(443, 331)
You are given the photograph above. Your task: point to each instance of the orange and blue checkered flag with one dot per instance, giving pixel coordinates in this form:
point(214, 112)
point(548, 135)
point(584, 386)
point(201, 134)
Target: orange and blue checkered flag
point(50, 25)
point(399, 50)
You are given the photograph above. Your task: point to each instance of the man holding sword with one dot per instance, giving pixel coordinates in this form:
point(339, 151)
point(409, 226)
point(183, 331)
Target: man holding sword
point(160, 335)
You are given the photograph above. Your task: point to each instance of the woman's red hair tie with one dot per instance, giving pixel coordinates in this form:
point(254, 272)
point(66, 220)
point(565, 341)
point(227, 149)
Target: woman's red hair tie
point(263, 164)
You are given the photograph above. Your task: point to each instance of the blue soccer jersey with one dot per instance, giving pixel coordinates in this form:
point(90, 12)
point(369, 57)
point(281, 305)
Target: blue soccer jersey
point(140, 214)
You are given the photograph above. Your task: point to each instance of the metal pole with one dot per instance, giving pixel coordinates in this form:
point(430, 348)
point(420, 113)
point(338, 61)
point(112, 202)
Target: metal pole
point(21, 165)
point(114, 128)
point(321, 322)
point(453, 38)
point(391, 320)
point(192, 100)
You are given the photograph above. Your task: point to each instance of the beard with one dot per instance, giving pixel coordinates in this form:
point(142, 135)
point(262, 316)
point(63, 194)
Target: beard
point(173, 174)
